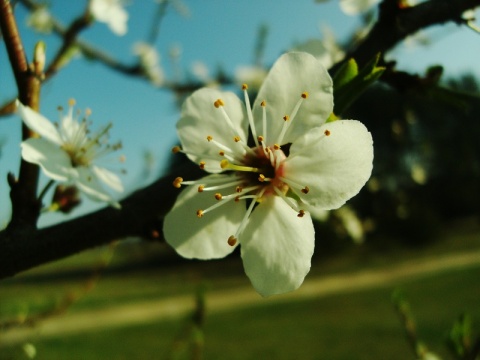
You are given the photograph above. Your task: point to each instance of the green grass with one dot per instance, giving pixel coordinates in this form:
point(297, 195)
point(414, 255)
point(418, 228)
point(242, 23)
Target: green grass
point(360, 325)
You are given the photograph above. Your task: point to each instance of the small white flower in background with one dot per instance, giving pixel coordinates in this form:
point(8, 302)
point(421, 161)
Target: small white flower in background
point(68, 152)
point(110, 12)
point(326, 50)
point(257, 196)
point(149, 62)
point(355, 7)
point(252, 75)
point(41, 20)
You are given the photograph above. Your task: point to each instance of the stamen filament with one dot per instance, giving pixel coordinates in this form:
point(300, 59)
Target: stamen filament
point(249, 114)
point(304, 189)
point(264, 120)
point(249, 211)
point(290, 202)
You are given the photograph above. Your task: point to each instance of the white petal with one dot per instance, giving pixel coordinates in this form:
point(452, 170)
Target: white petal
point(277, 247)
point(206, 237)
point(334, 167)
point(87, 182)
point(108, 178)
point(53, 160)
point(111, 13)
point(38, 123)
point(291, 75)
point(200, 118)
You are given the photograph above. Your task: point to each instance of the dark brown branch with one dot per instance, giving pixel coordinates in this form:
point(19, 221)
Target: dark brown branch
point(141, 215)
point(23, 194)
point(395, 24)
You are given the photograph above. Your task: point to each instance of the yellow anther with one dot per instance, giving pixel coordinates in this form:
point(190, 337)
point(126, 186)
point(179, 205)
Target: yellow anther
point(199, 213)
point(224, 163)
point(176, 149)
point(305, 190)
point(261, 178)
point(232, 240)
point(200, 188)
point(301, 213)
point(327, 132)
point(202, 165)
point(305, 95)
point(221, 153)
point(244, 87)
point(209, 138)
point(286, 118)
point(263, 103)
point(218, 196)
point(218, 103)
point(71, 102)
point(178, 182)
point(260, 138)
point(276, 146)
point(239, 189)
point(236, 138)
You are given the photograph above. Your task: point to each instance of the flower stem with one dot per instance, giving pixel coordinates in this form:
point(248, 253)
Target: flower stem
point(45, 189)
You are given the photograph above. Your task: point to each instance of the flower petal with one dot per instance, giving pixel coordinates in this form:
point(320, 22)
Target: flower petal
point(200, 118)
point(38, 123)
point(204, 238)
point(291, 75)
point(52, 159)
point(277, 247)
point(108, 178)
point(334, 161)
point(88, 182)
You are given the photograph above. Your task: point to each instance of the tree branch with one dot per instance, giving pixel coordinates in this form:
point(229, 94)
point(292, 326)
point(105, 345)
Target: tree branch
point(23, 194)
point(141, 216)
point(395, 24)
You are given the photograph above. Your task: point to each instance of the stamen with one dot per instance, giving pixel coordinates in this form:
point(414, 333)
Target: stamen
point(262, 178)
point(178, 182)
point(218, 196)
point(247, 214)
point(232, 240)
point(327, 132)
point(263, 104)
point(219, 104)
point(201, 188)
point(301, 213)
point(303, 188)
point(202, 165)
point(225, 199)
point(290, 202)
point(288, 123)
point(249, 113)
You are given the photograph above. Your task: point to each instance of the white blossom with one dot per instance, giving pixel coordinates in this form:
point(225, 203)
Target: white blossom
point(257, 195)
point(68, 152)
point(110, 12)
point(41, 20)
point(149, 62)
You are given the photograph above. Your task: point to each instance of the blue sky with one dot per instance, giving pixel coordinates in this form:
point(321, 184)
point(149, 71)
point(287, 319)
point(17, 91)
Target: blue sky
point(215, 33)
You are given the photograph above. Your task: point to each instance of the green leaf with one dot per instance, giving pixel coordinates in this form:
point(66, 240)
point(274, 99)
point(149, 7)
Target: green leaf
point(350, 83)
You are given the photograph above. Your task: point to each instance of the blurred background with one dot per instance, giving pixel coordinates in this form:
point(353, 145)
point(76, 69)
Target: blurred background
point(395, 271)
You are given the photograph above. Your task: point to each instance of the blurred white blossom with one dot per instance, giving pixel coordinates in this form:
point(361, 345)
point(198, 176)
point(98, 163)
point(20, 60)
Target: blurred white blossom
point(41, 20)
point(68, 152)
point(112, 13)
point(149, 62)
